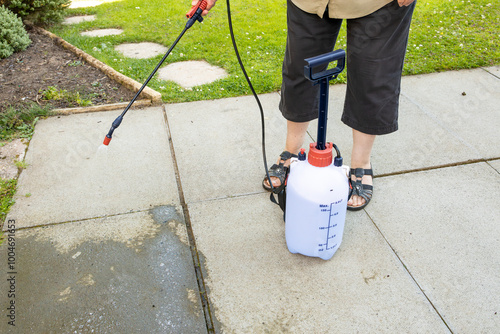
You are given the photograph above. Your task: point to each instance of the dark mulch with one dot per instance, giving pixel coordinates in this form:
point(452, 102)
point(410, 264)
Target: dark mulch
point(26, 74)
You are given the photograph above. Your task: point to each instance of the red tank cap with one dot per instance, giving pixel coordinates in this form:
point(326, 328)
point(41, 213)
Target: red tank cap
point(320, 158)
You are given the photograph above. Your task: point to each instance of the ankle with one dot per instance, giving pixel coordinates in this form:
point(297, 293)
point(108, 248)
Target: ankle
point(361, 164)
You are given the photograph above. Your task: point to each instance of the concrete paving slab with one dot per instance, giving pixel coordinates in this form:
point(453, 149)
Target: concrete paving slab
point(69, 178)
point(78, 19)
point(445, 227)
point(11, 153)
point(463, 102)
point(102, 32)
point(257, 286)
point(420, 142)
point(191, 73)
point(218, 144)
point(129, 273)
point(141, 50)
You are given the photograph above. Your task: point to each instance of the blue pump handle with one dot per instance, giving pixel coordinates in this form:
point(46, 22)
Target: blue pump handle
point(323, 78)
point(325, 59)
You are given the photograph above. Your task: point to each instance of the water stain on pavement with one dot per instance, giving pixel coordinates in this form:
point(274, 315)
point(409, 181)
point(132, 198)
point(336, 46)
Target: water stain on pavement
point(130, 273)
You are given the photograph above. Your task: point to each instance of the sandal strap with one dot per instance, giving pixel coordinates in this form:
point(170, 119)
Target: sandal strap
point(277, 171)
point(360, 172)
point(285, 155)
point(363, 190)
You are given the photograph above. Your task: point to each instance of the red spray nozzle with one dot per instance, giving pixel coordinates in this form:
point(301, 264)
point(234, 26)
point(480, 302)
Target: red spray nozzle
point(106, 140)
point(116, 123)
point(201, 4)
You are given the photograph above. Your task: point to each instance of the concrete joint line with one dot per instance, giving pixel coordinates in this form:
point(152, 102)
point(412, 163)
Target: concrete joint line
point(423, 169)
point(488, 162)
point(192, 241)
point(453, 164)
point(81, 220)
point(409, 273)
point(490, 73)
point(229, 197)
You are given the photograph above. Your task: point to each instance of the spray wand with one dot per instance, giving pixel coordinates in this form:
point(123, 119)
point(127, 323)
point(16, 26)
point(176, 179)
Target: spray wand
point(193, 15)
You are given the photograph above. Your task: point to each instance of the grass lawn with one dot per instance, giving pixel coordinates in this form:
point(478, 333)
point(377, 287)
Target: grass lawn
point(445, 35)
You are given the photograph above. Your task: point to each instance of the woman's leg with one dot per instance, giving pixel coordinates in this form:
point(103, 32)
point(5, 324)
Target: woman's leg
point(295, 133)
point(360, 158)
point(375, 56)
point(308, 36)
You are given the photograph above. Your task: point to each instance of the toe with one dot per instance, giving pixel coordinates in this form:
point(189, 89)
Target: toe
point(356, 201)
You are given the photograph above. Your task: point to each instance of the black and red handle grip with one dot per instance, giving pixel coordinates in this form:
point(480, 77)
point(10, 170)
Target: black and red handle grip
point(201, 5)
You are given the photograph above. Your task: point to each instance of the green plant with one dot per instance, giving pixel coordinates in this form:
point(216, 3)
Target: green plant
point(13, 36)
point(53, 93)
point(42, 12)
point(79, 100)
point(21, 164)
point(75, 63)
point(20, 122)
point(7, 191)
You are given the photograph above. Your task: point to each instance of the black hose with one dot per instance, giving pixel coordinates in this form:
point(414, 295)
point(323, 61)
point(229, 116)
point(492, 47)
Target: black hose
point(253, 92)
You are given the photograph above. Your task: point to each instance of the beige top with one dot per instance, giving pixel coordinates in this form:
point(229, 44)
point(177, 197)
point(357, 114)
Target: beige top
point(341, 9)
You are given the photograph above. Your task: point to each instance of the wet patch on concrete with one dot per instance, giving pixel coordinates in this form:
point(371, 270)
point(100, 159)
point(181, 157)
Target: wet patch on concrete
point(127, 282)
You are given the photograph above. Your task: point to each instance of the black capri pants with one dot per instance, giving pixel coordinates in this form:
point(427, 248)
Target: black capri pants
point(376, 47)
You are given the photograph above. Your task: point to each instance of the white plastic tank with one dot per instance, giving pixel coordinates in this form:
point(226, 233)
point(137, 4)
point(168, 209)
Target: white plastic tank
point(316, 204)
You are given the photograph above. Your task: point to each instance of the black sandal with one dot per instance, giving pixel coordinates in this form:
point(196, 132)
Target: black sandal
point(280, 171)
point(359, 189)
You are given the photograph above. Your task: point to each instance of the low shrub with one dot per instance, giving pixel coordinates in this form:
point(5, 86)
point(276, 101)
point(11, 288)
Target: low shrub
point(13, 36)
point(40, 12)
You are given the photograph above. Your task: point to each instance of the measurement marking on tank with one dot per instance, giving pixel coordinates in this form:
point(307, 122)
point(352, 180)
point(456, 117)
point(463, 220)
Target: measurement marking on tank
point(329, 227)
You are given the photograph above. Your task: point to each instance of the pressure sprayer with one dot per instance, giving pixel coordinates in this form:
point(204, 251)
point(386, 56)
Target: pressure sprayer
point(317, 189)
point(315, 196)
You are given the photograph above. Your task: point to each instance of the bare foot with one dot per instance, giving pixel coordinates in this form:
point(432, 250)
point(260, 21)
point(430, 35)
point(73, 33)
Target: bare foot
point(357, 201)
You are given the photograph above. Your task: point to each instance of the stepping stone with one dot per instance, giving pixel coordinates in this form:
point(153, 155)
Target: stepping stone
point(191, 73)
point(102, 32)
point(141, 50)
point(78, 19)
point(80, 4)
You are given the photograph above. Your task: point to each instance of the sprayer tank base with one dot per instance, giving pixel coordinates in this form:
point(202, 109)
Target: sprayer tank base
point(316, 206)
